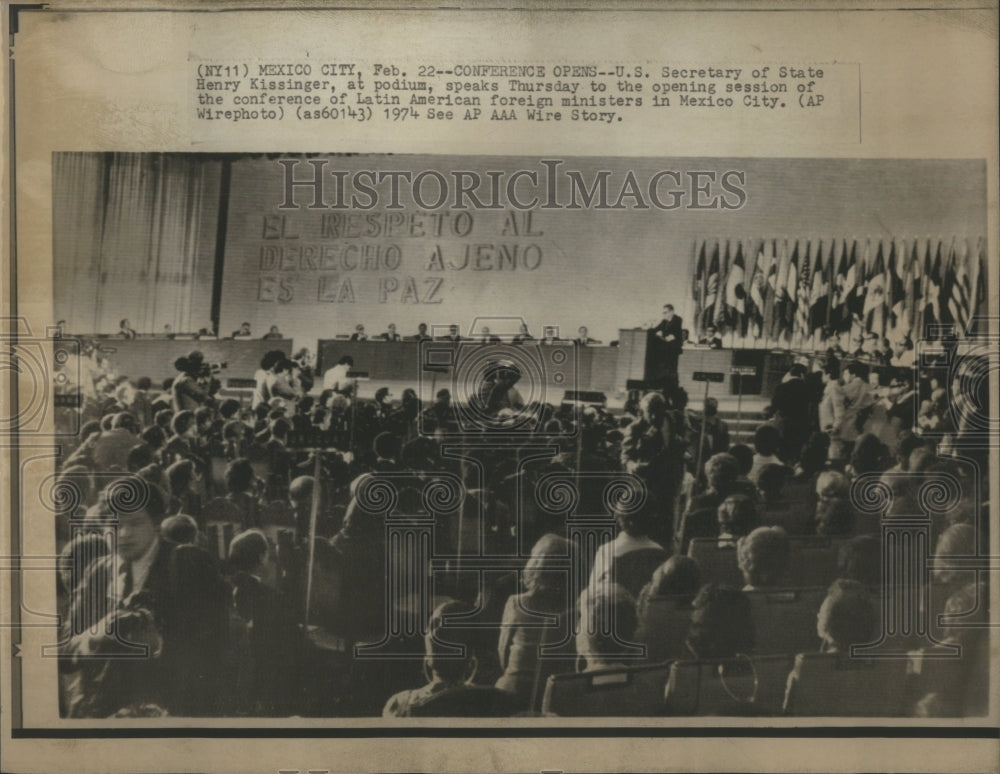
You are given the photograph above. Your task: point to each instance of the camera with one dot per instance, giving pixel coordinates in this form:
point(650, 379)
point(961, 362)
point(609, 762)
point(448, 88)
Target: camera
point(500, 379)
point(49, 371)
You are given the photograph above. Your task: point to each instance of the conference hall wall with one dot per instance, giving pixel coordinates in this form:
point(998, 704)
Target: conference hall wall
point(144, 236)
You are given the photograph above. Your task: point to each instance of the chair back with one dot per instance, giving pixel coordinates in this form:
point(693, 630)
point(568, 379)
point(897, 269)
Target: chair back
point(623, 692)
point(717, 563)
point(785, 619)
point(836, 685)
point(741, 686)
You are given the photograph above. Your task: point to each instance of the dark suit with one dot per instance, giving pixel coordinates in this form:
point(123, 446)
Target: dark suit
point(187, 597)
point(662, 356)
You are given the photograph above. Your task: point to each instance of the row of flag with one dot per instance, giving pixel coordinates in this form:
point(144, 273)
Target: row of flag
point(777, 292)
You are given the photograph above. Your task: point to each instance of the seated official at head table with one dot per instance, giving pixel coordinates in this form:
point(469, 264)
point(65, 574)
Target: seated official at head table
point(485, 337)
point(453, 334)
point(550, 335)
point(524, 335)
point(359, 333)
point(243, 332)
point(125, 329)
point(390, 334)
point(273, 333)
point(421, 334)
point(582, 339)
point(711, 338)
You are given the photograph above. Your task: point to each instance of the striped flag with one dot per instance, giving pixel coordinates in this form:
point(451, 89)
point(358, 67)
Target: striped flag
point(932, 292)
point(960, 298)
point(736, 292)
point(819, 293)
point(848, 280)
point(776, 279)
point(914, 284)
point(721, 311)
point(896, 286)
point(791, 292)
point(863, 267)
point(760, 287)
point(841, 290)
point(711, 290)
point(698, 288)
point(802, 298)
point(874, 308)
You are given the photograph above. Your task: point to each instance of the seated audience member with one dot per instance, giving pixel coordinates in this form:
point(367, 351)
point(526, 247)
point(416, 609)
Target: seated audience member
point(125, 330)
point(183, 596)
point(830, 484)
point(449, 690)
point(139, 456)
point(272, 333)
point(957, 540)
point(847, 617)
point(961, 690)
point(701, 517)
point(241, 486)
point(359, 547)
point(183, 477)
point(608, 621)
point(180, 528)
point(770, 485)
point(906, 444)
point(390, 334)
point(243, 332)
point(359, 333)
point(737, 517)
point(181, 445)
point(835, 517)
point(387, 449)
point(716, 429)
point(583, 339)
point(867, 456)
point(272, 629)
point(860, 559)
point(629, 559)
point(763, 557)
point(766, 442)
point(111, 448)
point(678, 577)
point(711, 338)
point(524, 631)
point(336, 378)
point(743, 455)
point(722, 625)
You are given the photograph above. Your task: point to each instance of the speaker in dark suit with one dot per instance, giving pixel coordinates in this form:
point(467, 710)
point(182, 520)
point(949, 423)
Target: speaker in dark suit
point(666, 340)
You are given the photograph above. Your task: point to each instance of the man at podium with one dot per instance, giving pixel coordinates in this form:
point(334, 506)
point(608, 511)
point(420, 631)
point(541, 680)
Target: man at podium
point(664, 348)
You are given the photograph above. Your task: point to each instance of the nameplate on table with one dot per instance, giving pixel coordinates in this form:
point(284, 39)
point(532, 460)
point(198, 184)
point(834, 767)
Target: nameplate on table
point(743, 370)
point(708, 376)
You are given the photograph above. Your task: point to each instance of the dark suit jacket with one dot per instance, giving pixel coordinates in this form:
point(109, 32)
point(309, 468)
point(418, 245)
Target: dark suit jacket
point(187, 597)
point(673, 327)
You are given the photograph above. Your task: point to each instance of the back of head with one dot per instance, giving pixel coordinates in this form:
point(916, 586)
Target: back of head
point(608, 620)
point(139, 456)
point(956, 540)
point(771, 480)
point(721, 470)
point(639, 521)
point(767, 440)
point(738, 515)
point(860, 559)
point(239, 475)
point(546, 572)
point(721, 624)
point(441, 643)
point(247, 550)
point(834, 517)
point(679, 576)
point(301, 489)
point(831, 483)
point(179, 528)
point(180, 475)
point(132, 494)
point(743, 455)
point(764, 556)
point(846, 617)
point(386, 446)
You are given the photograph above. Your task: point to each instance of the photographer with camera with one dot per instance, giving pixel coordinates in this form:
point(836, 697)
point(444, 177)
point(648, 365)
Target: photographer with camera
point(191, 387)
